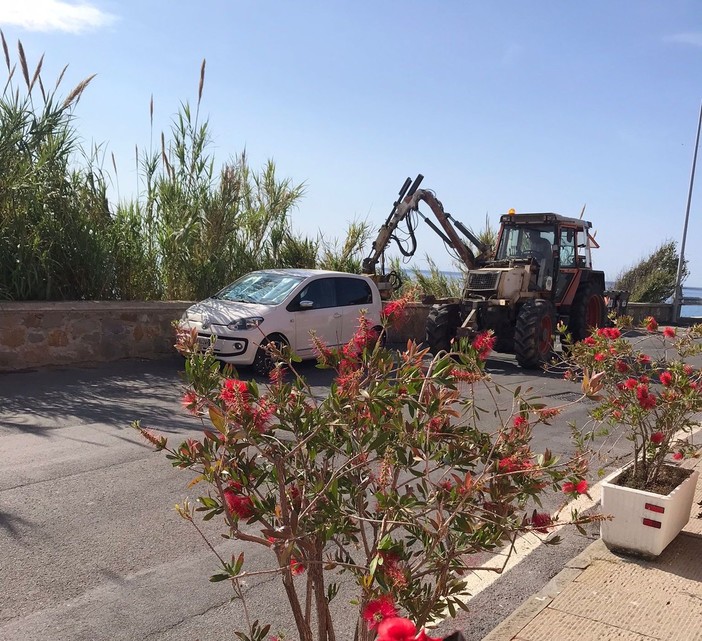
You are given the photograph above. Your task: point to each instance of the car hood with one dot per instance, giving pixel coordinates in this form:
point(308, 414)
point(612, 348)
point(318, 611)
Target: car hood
point(222, 312)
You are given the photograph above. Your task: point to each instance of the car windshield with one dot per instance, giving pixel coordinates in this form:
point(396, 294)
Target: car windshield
point(263, 288)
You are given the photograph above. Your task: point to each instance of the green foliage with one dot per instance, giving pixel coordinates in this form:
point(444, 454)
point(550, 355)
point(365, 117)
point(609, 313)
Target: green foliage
point(53, 218)
point(395, 478)
point(349, 256)
point(655, 400)
point(652, 279)
point(428, 282)
point(192, 230)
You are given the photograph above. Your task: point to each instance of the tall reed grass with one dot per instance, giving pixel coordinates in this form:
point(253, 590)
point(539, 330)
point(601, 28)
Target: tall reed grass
point(194, 227)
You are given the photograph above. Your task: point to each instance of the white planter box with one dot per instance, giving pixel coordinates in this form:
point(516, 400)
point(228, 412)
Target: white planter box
point(644, 523)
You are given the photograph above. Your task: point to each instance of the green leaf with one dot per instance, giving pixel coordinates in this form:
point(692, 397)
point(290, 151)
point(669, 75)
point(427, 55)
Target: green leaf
point(216, 578)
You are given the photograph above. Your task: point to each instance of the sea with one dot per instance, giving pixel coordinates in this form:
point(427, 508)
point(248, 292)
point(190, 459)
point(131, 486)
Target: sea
point(686, 311)
point(692, 311)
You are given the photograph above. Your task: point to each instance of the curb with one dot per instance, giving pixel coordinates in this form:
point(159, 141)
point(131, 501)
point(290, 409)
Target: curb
point(515, 622)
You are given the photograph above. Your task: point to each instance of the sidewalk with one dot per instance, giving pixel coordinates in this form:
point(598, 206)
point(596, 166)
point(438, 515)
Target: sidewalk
point(601, 596)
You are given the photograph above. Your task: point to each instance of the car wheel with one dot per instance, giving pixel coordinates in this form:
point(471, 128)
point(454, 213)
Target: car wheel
point(264, 361)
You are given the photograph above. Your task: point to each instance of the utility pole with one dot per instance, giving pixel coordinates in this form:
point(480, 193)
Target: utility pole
point(677, 295)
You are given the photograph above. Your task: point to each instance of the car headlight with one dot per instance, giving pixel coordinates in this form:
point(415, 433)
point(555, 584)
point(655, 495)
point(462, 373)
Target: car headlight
point(245, 323)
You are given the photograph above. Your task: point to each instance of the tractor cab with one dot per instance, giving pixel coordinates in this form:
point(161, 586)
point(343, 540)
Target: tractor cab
point(556, 247)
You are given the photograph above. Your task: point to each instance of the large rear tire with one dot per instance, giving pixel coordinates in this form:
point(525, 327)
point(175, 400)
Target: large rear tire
point(588, 311)
point(533, 335)
point(442, 323)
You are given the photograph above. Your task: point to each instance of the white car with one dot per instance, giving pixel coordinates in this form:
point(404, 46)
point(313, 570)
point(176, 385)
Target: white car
point(283, 306)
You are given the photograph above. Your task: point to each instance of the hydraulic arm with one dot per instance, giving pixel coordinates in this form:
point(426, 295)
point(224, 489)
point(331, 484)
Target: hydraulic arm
point(409, 197)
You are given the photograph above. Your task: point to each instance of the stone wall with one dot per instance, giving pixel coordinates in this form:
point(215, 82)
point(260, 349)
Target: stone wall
point(662, 312)
point(63, 333)
point(37, 334)
point(40, 334)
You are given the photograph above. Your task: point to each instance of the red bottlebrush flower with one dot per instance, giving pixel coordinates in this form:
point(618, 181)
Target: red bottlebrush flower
point(621, 367)
point(657, 438)
point(296, 567)
point(465, 375)
point(589, 341)
point(669, 332)
point(540, 521)
point(234, 393)
point(646, 400)
point(651, 324)
point(548, 412)
point(396, 629)
point(630, 383)
point(158, 441)
point(613, 333)
point(394, 311)
point(688, 369)
point(191, 402)
point(276, 375)
point(378, 610)
point(644, 359)
point(678, 456)
point(520, 421)
point(666, 378)
point(513, 464)
point(484, 343)
point(392, 570)
point(575, 488)
point(239, 505)
point(599, 357)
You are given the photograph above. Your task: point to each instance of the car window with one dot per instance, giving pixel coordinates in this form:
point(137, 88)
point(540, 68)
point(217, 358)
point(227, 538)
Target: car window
point(322, 293)
point(353, 291)
point(260, 287)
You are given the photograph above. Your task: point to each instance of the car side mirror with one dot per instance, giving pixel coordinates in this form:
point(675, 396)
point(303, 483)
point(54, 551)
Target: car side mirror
point(306, 304)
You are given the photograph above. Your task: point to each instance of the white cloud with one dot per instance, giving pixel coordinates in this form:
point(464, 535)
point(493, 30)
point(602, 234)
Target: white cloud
point(53, 15)
point(690, 38)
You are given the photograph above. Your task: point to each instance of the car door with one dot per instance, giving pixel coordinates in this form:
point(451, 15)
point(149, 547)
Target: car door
point(352, 296)
point(314, 309)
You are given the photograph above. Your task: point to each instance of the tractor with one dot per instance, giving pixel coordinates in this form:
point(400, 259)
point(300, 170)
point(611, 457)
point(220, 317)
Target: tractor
point(539, 273)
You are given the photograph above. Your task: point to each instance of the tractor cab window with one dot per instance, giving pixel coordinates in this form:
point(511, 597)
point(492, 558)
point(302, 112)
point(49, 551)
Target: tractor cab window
point(526, 242)
point(567, 249)
point(584, 258)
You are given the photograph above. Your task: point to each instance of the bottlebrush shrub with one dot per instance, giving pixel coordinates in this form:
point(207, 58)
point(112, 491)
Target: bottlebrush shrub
point(395, 478)
point(654, 394)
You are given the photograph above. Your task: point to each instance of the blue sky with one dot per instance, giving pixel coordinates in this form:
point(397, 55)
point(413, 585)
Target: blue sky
point(539, 106)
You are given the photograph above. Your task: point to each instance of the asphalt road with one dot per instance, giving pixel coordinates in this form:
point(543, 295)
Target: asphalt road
point(92, 549)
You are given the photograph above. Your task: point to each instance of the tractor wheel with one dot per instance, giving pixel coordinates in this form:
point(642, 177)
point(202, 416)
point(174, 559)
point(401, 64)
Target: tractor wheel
point(533, 335)
point(442, 324)
point(587, 311)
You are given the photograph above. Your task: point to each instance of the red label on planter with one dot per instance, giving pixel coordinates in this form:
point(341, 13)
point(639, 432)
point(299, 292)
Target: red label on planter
point(652, 523)
point(655, 508)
